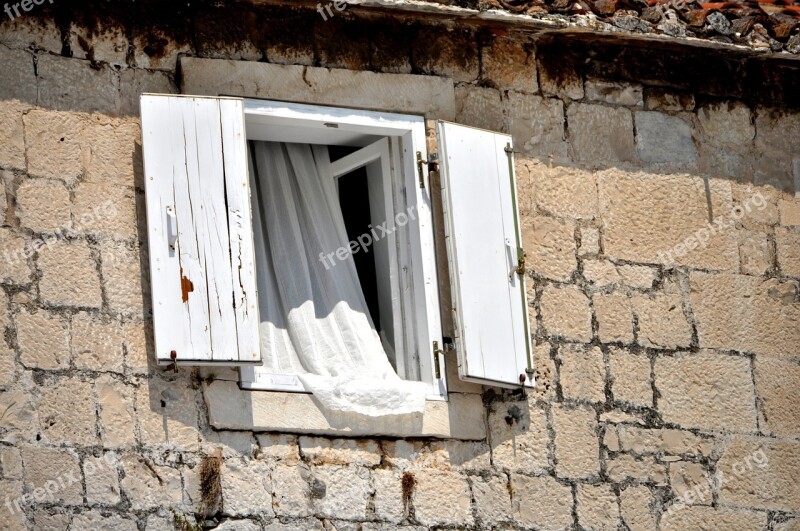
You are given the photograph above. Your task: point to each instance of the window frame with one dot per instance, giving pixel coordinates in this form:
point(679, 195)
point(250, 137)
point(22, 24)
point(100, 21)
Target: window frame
point(418, 251)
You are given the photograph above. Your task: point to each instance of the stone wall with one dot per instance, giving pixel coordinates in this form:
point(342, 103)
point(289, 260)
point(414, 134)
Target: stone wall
point(658, 194)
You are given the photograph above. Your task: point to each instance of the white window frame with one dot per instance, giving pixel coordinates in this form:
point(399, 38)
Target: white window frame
point(269, 120)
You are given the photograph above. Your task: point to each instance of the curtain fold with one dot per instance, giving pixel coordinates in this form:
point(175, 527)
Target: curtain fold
point(314, 320)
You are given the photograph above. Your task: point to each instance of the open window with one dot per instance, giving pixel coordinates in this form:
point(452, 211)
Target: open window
point(199, 176)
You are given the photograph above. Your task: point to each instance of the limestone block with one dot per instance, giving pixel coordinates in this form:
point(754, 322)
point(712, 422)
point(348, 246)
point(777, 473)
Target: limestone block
point(542, 502)
point(536, 124)
point(97, 344)
point(637, 508)
point(662, 322)
point(630, 377)
point(665, 219)
point(597, 508)
point(479, 107)
point(646, 469)
point(744, 313)
point(787, 246)
point(76, 85)
point(775, 381)
point(148, 485)
point(450, 53)
point(693, 479)
point(658, 99)
point(125, 279)
point(69, 275)
point(278, 447)
point(707, 390)
point(21, 418)
point(53, 475)
point(43, 340)
point(76, 424)
point(105, 210)
point(600, 273)
point(760, 473)
point(167, 413)
point(755, 257)
point(388, 500)
point(246, 487)
point(566, 313)
point(53, 144)
point(12, 135)
point(112, 153)
point(43, 205)
point(637, 276)
point(662, 138)
point(102, 480)
point(10, 462)
point(709, 519)
point(590, 241)
point(133, 82)
point(550, 246)
point(614, 318)
point(563, 191)
point(108, 45)
point(522, 445)
point(601, 135)
point(442, 498)
point(319, 451)
point(583, 373)
point(789, 211)
point(290, 495)
point(340, 492)
point(31, 32)
point(492, 499)
point(19, 79)
point(117, 416)
point(509, 64)
point(576, 442)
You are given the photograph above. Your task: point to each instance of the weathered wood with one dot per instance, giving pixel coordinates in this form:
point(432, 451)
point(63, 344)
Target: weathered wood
point(481, 223)
point(204, 295)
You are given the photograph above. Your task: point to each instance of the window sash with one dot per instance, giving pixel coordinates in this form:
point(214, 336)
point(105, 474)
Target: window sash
point(271, 121)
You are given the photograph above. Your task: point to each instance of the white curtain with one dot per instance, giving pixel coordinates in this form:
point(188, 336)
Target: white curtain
point(314, 321)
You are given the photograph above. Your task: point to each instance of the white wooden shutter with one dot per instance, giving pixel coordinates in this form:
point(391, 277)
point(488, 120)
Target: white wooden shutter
point(205, 307)
point(482, 227)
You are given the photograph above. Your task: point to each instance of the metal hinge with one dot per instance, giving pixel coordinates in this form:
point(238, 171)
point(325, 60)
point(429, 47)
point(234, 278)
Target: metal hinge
point(436, 365)
point(520, 261)
point(433, 165)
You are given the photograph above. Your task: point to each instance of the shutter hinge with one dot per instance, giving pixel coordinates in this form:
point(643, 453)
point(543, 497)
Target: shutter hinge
point(436, 365)
point(433, 165)
point(521, 261)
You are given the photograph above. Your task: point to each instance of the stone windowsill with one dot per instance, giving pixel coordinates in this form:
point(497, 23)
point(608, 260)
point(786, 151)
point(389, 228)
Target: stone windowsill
point(232, 408)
